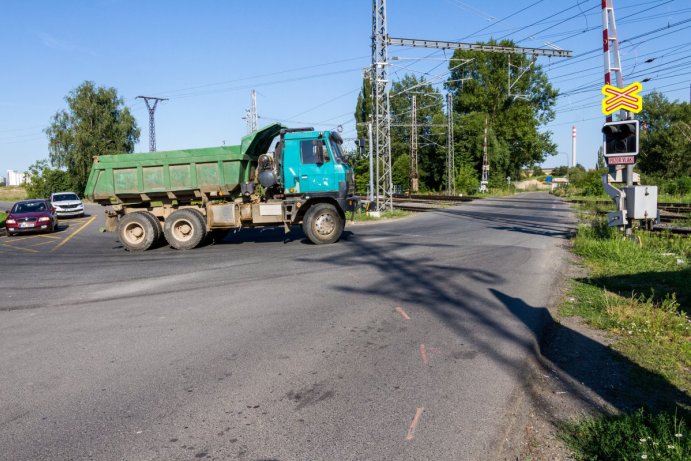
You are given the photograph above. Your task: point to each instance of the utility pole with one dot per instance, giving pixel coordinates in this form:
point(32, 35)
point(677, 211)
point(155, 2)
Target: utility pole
point(484, 182)
point(573, 145)
point(152, 124)
point(413, 147)
point(450, 157)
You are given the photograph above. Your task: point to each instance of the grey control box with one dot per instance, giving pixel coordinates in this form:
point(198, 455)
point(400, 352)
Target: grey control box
point(641, 202)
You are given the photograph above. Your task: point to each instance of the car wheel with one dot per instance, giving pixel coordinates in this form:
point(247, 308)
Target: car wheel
point(135, 232)
point(184, 229)
point(323, 224)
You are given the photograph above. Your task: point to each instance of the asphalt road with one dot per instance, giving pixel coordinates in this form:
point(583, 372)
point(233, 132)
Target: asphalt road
point(406, 340)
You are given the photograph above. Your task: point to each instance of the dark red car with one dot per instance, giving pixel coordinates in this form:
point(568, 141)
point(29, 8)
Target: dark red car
point(31, 216)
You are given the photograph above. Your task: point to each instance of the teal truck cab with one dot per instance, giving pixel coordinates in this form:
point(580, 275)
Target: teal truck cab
point(183, 195)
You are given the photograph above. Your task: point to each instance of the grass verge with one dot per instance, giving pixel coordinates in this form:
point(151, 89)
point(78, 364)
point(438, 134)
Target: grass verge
point(361, 216)
point(2, 219)
point(640, 293)
point(639, 435)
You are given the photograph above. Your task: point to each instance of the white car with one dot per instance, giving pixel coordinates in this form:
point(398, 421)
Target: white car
point(67, 204)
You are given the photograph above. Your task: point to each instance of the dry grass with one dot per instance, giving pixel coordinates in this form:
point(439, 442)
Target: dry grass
point(12, 193)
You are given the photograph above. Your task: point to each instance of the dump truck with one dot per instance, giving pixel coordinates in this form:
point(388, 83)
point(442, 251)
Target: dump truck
point(184, 195)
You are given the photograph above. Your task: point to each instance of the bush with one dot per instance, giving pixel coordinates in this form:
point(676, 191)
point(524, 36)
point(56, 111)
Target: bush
point(44, 180)
point(467, 181)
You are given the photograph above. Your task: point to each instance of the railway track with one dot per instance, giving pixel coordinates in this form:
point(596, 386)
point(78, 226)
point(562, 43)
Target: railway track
point(670, 213)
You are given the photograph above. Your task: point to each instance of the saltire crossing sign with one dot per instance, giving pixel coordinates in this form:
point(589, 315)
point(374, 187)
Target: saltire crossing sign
point(626, 98)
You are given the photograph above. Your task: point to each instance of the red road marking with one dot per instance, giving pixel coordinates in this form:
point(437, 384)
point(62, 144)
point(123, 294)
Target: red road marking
point(402, 312)
point(413, 424)
point(423, 353)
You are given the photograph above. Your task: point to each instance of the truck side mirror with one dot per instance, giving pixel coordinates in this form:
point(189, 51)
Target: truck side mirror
point(319, 152)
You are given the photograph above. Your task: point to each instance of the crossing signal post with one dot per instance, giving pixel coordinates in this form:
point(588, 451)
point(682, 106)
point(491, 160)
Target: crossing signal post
point(620, 147)
point(621, 138)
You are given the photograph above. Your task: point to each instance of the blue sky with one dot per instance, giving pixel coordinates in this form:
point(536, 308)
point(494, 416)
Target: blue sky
point(304, 58)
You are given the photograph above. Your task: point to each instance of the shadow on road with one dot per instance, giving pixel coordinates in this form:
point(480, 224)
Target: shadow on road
point(442, 288)
point(614, 378)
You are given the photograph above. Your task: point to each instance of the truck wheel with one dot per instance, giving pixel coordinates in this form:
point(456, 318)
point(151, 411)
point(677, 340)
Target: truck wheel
point(184, 229)
point(155, 223)
point(135, 232)
point(323, 224)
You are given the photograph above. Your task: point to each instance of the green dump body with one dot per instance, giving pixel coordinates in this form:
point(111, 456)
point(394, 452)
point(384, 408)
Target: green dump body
point(181, 175)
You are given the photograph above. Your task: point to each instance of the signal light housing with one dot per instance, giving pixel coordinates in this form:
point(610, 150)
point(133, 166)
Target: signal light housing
point(621, 138)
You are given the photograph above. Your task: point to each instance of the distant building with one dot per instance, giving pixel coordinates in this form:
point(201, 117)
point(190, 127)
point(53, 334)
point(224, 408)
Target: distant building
point(15, 178)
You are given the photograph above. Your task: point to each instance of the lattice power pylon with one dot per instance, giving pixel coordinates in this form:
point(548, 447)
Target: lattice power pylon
point(380, 101)
point(251, 116)
point(380, 96)
point(450, 155)
point(414, 186)
point(152, 124)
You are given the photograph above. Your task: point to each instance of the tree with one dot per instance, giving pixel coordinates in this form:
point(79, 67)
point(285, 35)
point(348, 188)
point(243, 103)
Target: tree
point(363, 108)
point(514, 120)
point(665, 143)
point(44, 180)
point(600, 160)
point(431, 154)
point(429, 105)
point(95, 123)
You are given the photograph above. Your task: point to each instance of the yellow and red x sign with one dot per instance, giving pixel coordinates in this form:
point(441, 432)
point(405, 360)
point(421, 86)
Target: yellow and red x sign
point(622, 98)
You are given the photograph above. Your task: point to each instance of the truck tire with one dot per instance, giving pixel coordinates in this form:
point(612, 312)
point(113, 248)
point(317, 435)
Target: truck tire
point(184, 229)
point(136, 232)
point(155, 223)
point(323, 224)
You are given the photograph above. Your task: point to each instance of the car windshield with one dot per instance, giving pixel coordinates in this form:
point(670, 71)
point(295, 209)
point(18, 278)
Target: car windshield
point(29, 207)
point(64, 197)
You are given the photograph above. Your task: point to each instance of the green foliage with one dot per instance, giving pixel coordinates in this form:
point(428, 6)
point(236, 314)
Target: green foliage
point(665, 148)
point(639, 435)
point(679, 187)
point(363, 108)
point(44, 180)
point(361, 169)
point(467, 181)
point(513, 137)
point(537, 171)
point(2, 219)
point(601, 164)
point(431, 143)
point(588, 183)
point(513, 120)
point(639, 292)
point(95, 123)
point(400, 171)
point(560, 171)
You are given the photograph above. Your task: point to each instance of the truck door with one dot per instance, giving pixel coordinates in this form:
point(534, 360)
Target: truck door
point(315, 175)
